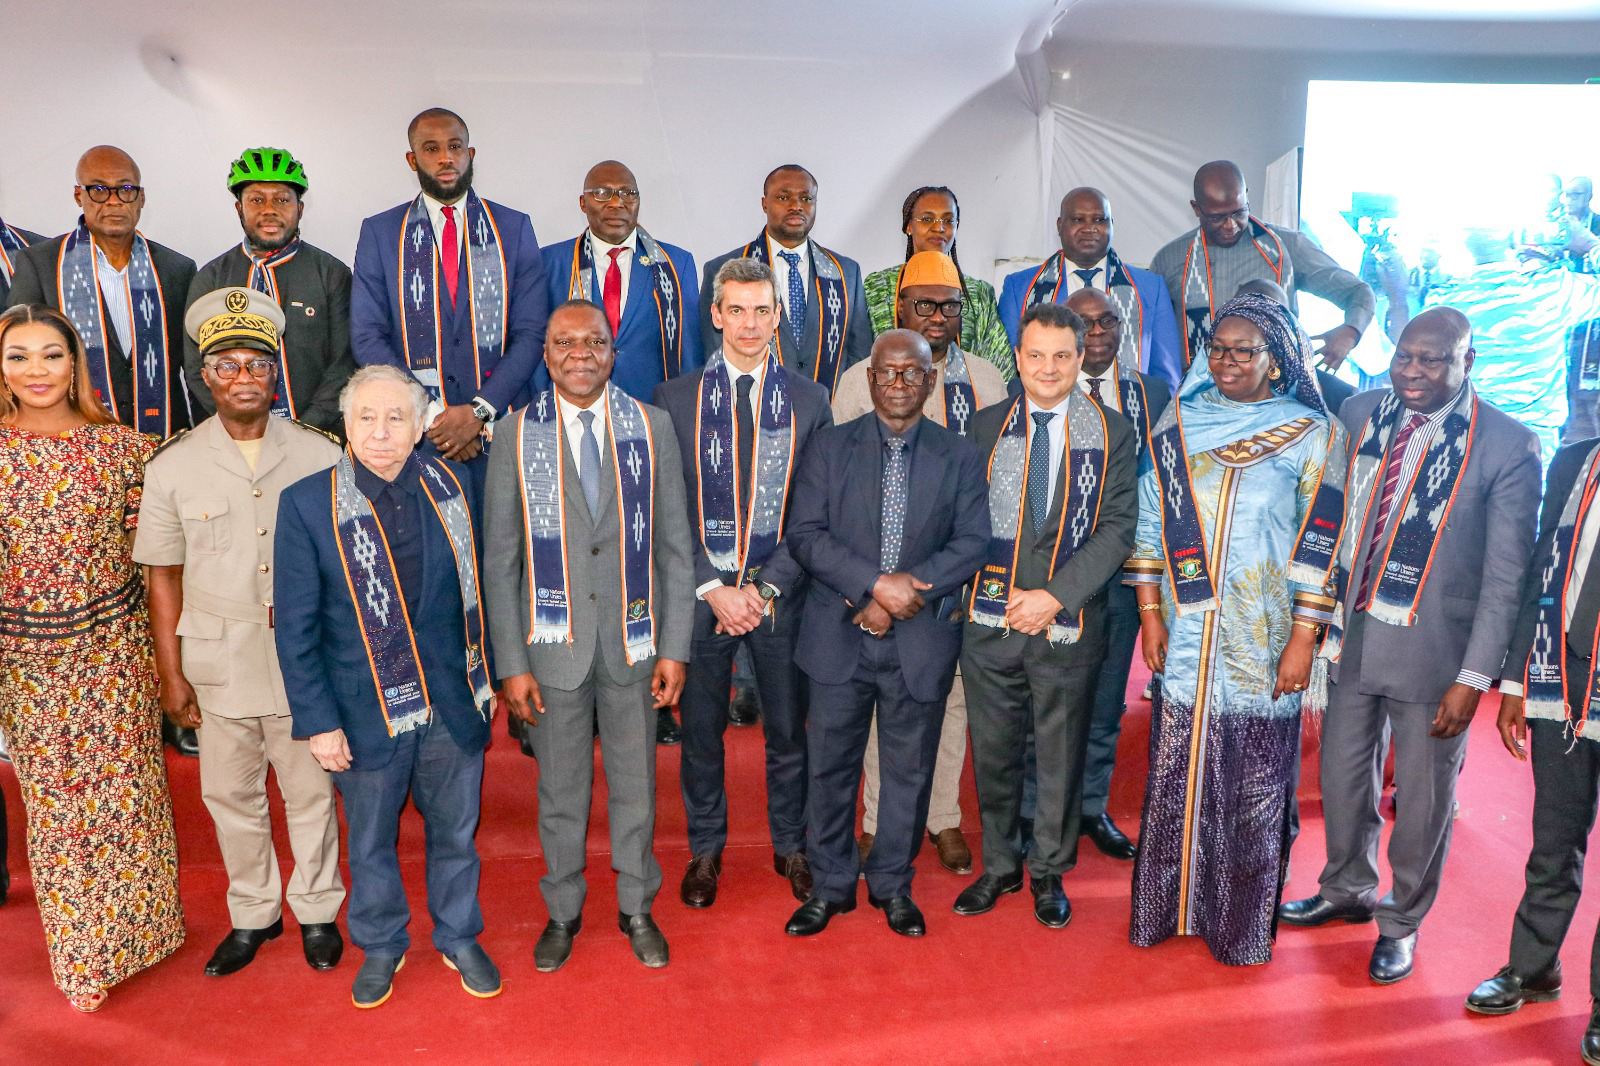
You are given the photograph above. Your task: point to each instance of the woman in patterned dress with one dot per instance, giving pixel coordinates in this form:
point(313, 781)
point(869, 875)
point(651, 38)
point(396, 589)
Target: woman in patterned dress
point(1254, 449)
point(77, 683)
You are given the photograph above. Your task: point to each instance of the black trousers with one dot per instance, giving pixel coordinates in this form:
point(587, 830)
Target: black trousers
point(704, 709)
point(1566, 792)
point(836, 745)
point(1016, 684)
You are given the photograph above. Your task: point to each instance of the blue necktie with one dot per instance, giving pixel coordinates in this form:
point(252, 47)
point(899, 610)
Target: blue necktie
point(589, 463)
point(1039, 469)
point(1088, 281)
point(797, 295)
point(894, 504)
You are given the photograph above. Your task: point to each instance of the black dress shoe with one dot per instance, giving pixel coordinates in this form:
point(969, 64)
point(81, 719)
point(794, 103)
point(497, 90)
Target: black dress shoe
point(1392, 958)
point(322, 944)
point(699, 888)
point(649, 945)
point(981, 896)
point(797, 868)
point(1315, 910)
point(667, 731)
point(1050, 903)
point(903, 915)
point(239, 947)
point(1108, 838)
point(1508, 990)
point(1590, 1048)
point(555, 944)
point(184, 740)
point(812, 917)
point(744, 709)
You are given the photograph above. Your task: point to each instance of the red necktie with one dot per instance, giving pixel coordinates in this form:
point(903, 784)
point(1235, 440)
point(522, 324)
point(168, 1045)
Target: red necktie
point(1391, 483)
point(613, 291)
point(450, 260)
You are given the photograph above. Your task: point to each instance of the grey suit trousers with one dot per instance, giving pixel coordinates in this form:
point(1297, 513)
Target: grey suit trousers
point(1355, 739)
point(563, 744)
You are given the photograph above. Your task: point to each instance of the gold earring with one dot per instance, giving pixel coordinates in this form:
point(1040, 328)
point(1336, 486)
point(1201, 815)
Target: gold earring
point(1274, 373)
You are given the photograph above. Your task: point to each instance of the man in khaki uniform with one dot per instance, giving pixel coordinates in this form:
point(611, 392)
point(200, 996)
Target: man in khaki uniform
point(205, 540)
point(930, 302)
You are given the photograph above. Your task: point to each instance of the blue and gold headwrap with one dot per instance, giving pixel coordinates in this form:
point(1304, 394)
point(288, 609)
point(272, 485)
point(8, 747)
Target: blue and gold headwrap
point(1289, 346)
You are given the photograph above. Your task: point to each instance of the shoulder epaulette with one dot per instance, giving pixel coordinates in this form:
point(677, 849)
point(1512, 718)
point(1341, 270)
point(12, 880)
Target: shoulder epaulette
point(318, 429)
point(169, 442)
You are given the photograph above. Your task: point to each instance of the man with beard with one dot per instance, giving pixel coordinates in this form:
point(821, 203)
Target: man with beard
point(311, 286)
point(826, 327)
point(468, 321)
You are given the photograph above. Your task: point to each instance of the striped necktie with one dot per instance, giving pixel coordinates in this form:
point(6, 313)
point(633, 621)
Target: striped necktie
point(1391, 485)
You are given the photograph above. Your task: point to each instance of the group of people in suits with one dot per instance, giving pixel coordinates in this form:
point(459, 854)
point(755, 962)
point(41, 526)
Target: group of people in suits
point(906, 535)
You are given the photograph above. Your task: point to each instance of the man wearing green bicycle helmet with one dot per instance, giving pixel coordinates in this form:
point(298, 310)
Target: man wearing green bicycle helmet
point(312, 287)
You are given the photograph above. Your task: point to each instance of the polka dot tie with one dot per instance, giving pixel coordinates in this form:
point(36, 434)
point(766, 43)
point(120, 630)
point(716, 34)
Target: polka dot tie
point(894, 504)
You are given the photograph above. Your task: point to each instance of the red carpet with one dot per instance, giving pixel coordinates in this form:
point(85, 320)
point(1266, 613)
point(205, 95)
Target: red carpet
point(987, 990)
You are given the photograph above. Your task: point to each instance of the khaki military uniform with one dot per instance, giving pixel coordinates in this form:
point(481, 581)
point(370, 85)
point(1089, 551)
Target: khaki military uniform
point(206, 510)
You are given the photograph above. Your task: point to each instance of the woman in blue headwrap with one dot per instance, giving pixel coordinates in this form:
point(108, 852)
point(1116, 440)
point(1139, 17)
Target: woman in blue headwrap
point(1241, 502)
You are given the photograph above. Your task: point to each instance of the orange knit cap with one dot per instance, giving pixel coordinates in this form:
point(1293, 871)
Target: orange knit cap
point(930, 268)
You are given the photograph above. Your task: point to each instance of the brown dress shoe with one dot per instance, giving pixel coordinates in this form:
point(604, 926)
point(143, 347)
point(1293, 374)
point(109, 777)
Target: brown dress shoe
point(798, 870)
point(864, 845)
point(954, 855)
point(700, 880)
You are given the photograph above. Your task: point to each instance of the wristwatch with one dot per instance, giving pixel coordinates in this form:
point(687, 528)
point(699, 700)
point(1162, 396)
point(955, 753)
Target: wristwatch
point(769, 592)
point(482, 410)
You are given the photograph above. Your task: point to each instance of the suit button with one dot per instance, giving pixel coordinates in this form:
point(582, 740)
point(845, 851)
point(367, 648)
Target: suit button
point(260, 532)
point(256, 493)
point(594, 551)
point(591, 595)
point(265, 568)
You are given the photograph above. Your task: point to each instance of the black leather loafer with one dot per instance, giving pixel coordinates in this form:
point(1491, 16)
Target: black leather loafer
point(1108, 838)
point(554, 946)
point(322, 944)
point(238, 949)
point(649, 945)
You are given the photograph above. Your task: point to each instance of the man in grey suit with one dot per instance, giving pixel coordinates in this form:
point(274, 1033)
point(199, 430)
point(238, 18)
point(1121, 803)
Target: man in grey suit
point(1036, 633)
point(590, 626)
point(826, 328)
point(1436, 475)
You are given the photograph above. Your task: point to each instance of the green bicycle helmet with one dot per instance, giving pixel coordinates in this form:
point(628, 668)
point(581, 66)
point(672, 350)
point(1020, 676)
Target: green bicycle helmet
point(266, 164)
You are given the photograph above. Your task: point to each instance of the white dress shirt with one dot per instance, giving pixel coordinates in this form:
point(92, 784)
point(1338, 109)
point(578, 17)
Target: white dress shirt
point(1057, 428)
point(759, 374)
point(600, 255)
point(116, 298)
point(436, 216)
point(569, 419)
point(1074, 282)
point(780, 272)
point(1110, 396)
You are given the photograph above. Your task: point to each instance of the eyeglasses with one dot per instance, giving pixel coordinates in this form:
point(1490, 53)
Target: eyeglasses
point(605, 196)
point(913, 376)
point(948, 308)
point(1106, 322)
point(1240, 216)
point(1221, 353)
point(101, 193)
point(930, 221)
point(228, 369)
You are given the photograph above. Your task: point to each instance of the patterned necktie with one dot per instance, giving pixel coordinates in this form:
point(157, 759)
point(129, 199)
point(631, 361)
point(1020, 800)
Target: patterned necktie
point(1087, 276)
point(1391, 483)
point(450, 252)
point(894, 504)
point(747, 438)
point(589, 463)
point(613, 291)
point(797, 295)
point(1094, 390)
point(1039, 469)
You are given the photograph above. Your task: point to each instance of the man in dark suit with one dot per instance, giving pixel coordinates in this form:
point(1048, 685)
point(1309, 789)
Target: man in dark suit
point(124, 294)
point(738, 464)
point(648, 288)
point(1062, 506)
point(826, 326)
point(591, 596)
point(380, 639)
point(460, 303)
point(1436, 474)
point(891, 520)
point(312, 287)
point(1140, 398)
point(13, 240)
point(1553, 655)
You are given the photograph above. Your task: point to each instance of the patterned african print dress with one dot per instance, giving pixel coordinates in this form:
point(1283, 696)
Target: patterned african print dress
point(78, 703)
point(1214, 828)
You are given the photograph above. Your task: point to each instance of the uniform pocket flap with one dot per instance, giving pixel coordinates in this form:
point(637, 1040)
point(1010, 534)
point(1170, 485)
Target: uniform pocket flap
point(200, 624)
point(203, 510)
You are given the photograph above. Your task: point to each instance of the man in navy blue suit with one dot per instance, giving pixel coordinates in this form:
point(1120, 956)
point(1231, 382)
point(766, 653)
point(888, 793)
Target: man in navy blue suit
point(890, 518)
point(468, 321)
point(380, 638)
point(647, 287)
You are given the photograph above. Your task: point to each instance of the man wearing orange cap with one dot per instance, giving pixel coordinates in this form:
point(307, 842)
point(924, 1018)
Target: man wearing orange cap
point(930, 302)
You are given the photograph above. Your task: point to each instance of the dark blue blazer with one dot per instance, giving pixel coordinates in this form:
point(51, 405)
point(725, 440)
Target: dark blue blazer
point(835, 531)
point(639, 364)
point(1160, 348)
point(811, 411)
point(510, 380)
point(324, 660)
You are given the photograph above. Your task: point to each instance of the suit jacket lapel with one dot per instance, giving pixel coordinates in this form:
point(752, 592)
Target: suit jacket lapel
point(928, 468)
point(641, 293)
point(271, 447)
point(813, 326)
point(228, 456)
point(865, 475)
